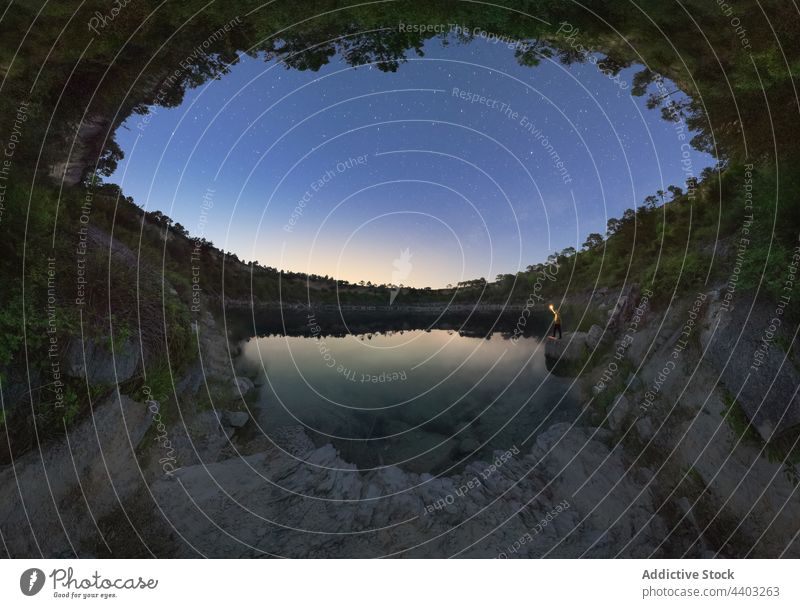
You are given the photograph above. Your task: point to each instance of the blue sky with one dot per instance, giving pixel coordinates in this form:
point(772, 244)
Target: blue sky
point(338, 171)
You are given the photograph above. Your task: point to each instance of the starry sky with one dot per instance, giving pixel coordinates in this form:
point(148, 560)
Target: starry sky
point(462, 164)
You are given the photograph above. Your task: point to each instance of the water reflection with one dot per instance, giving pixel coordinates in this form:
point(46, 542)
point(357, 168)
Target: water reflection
point(422, 399)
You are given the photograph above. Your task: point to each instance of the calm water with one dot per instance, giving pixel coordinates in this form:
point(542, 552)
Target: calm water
point(424, 400)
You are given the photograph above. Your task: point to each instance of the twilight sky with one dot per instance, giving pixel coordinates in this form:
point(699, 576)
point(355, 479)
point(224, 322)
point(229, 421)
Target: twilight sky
point(338, 171)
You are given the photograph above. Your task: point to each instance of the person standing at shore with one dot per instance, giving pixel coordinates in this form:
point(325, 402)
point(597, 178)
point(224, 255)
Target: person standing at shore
point(556, 322)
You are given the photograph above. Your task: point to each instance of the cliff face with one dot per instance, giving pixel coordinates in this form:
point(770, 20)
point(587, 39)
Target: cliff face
point(89, 140)
point(674, 391)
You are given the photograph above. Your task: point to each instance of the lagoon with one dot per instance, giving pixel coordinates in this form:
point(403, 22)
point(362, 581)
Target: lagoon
point(428, 399)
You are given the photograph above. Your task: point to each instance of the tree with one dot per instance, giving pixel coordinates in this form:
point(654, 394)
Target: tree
point(641, 82)
point(613, 225)
point(109, 158)
point(650, 201)
point(505, 280)
point(593, 240)
point(568, 252)
point(707, 173)
point(675, 191)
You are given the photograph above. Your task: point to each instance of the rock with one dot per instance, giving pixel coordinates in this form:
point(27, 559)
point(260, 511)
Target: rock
point(292, 440)
point(624, 307)
point(325, 508)
point(633, 383)
point(619, 413)
point(104, 367)
point(235, 419)
point(644, 428)
point(87, 145)
point(640, 345)
point(216, 355)
point(763, 377)
point(71, 483)
point(566, 357)
point(198, 438)
point(242, 386)
point(593, 337)
point(685, 506)
point(214, 349)
point(752, 489)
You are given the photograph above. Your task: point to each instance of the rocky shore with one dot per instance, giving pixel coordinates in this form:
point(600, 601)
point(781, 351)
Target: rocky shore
point(660, 470)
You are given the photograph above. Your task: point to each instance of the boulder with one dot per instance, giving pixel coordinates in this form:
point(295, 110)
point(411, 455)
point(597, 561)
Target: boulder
point(234, 419)
point(645, 429)
point(567, 356)
point(242, 386)
point(619, 412)
point(214, 349)
point(640, 345)
point(593, 336)
point(214, 354)
point(94, 360)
